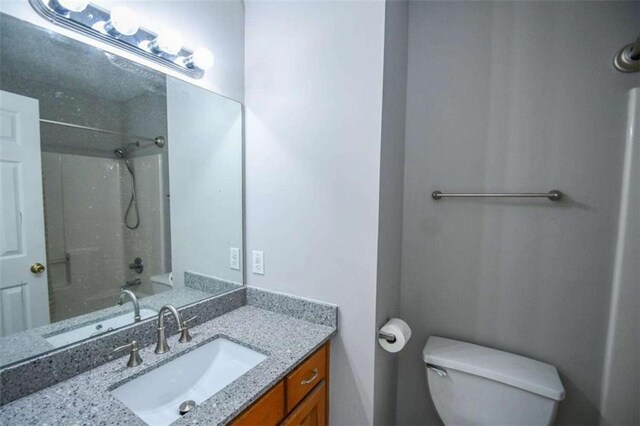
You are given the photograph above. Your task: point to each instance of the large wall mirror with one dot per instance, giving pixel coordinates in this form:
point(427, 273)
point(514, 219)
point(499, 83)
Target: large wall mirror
point(121, 191)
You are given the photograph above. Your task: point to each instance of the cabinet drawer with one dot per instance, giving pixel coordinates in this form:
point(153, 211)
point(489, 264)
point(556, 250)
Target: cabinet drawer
point(267, 411)
point(304, 378)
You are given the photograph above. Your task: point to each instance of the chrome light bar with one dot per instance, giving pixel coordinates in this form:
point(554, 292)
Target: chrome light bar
point(119, 28)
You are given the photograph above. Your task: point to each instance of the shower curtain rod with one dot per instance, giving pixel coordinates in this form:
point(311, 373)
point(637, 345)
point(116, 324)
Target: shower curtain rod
point(158, 140)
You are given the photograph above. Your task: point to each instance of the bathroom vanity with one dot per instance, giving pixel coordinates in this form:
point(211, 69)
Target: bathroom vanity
point(284, 341)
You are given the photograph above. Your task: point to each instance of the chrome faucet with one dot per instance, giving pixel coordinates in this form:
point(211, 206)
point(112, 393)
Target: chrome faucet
point(134, 300)
point(162, 346)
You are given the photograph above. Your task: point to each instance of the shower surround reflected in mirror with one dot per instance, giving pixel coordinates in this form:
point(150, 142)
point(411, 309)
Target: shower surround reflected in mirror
point(104, 143)
point(101, 214)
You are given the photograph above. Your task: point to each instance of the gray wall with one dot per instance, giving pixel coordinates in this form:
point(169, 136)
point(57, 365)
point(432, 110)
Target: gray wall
point(517, 96)
point(313, 85)
point(391, 191)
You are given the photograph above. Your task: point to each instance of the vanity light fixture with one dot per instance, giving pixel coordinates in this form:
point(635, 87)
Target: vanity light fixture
point(122, 22)
point(168, 42)
point(119, 27)
point(201, 58)
point(68, 6)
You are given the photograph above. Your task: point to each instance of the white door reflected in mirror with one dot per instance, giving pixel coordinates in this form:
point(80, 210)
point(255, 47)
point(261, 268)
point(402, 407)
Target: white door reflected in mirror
point(24, 300)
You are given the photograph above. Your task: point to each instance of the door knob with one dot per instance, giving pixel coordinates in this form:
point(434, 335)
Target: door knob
point(37, 268)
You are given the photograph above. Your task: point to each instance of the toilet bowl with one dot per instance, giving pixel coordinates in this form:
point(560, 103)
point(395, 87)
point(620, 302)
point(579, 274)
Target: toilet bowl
point(161, 283)
point(475, 385)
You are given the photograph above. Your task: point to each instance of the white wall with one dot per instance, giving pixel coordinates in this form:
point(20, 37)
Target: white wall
point(217, 25)
point(313, 127)
point(502, 98)
point(391, 194)
point(205, 165)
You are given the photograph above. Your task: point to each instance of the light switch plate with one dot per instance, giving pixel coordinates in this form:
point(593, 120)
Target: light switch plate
point(258, 262)
point(234, 258)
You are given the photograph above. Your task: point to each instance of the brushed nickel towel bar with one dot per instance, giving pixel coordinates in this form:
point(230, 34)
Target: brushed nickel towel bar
point(553, 195)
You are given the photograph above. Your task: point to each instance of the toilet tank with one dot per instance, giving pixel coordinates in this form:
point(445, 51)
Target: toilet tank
point(475, 385)
point(161, 283)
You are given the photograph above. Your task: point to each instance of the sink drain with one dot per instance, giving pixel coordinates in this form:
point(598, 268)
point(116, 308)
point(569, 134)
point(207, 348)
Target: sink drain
point(186, 406)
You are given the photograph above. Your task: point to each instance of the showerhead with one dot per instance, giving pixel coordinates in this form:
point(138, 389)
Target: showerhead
point(120, 153)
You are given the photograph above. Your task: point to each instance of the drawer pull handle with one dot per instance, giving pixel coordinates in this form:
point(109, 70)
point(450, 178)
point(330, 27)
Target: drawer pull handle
point(311, 379)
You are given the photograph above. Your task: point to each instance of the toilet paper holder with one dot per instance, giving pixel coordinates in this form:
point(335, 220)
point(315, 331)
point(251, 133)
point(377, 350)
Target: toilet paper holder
point(386, 336)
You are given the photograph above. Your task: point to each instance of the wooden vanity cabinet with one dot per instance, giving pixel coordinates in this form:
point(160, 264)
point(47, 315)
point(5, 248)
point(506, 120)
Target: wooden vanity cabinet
point(300, 399)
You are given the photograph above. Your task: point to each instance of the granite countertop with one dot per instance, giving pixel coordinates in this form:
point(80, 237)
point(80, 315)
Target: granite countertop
point(85, 399)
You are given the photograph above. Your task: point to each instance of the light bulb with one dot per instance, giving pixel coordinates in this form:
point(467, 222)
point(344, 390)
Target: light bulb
point(168, 42)
point(123, 21)
point(66, 6)
point(202, 58)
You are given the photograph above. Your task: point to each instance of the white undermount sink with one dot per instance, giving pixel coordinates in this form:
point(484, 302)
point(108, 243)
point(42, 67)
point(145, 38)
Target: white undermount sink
point(65, 338)
point(156, 396)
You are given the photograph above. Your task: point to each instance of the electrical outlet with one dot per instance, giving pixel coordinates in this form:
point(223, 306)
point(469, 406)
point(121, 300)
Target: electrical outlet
point(234, 258)
point(258, 262)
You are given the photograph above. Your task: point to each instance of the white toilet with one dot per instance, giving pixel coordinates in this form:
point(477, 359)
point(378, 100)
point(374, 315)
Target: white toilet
point(474, 385)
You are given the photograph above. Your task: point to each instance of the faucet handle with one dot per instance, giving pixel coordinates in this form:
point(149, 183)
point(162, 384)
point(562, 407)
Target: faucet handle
point(185, 322)
point(185, 337)
point(134, 356)
point(133, 345)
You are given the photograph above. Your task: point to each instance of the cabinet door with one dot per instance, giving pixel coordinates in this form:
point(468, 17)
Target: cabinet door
point(267, 411)
point(312, 410)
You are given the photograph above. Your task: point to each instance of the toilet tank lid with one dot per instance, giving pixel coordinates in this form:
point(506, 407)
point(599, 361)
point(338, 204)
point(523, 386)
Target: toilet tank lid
point(166, 279)
point(504, 367)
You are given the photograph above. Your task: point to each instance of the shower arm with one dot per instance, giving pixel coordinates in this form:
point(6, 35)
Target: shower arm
point(634, 52)
point(628, 58)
